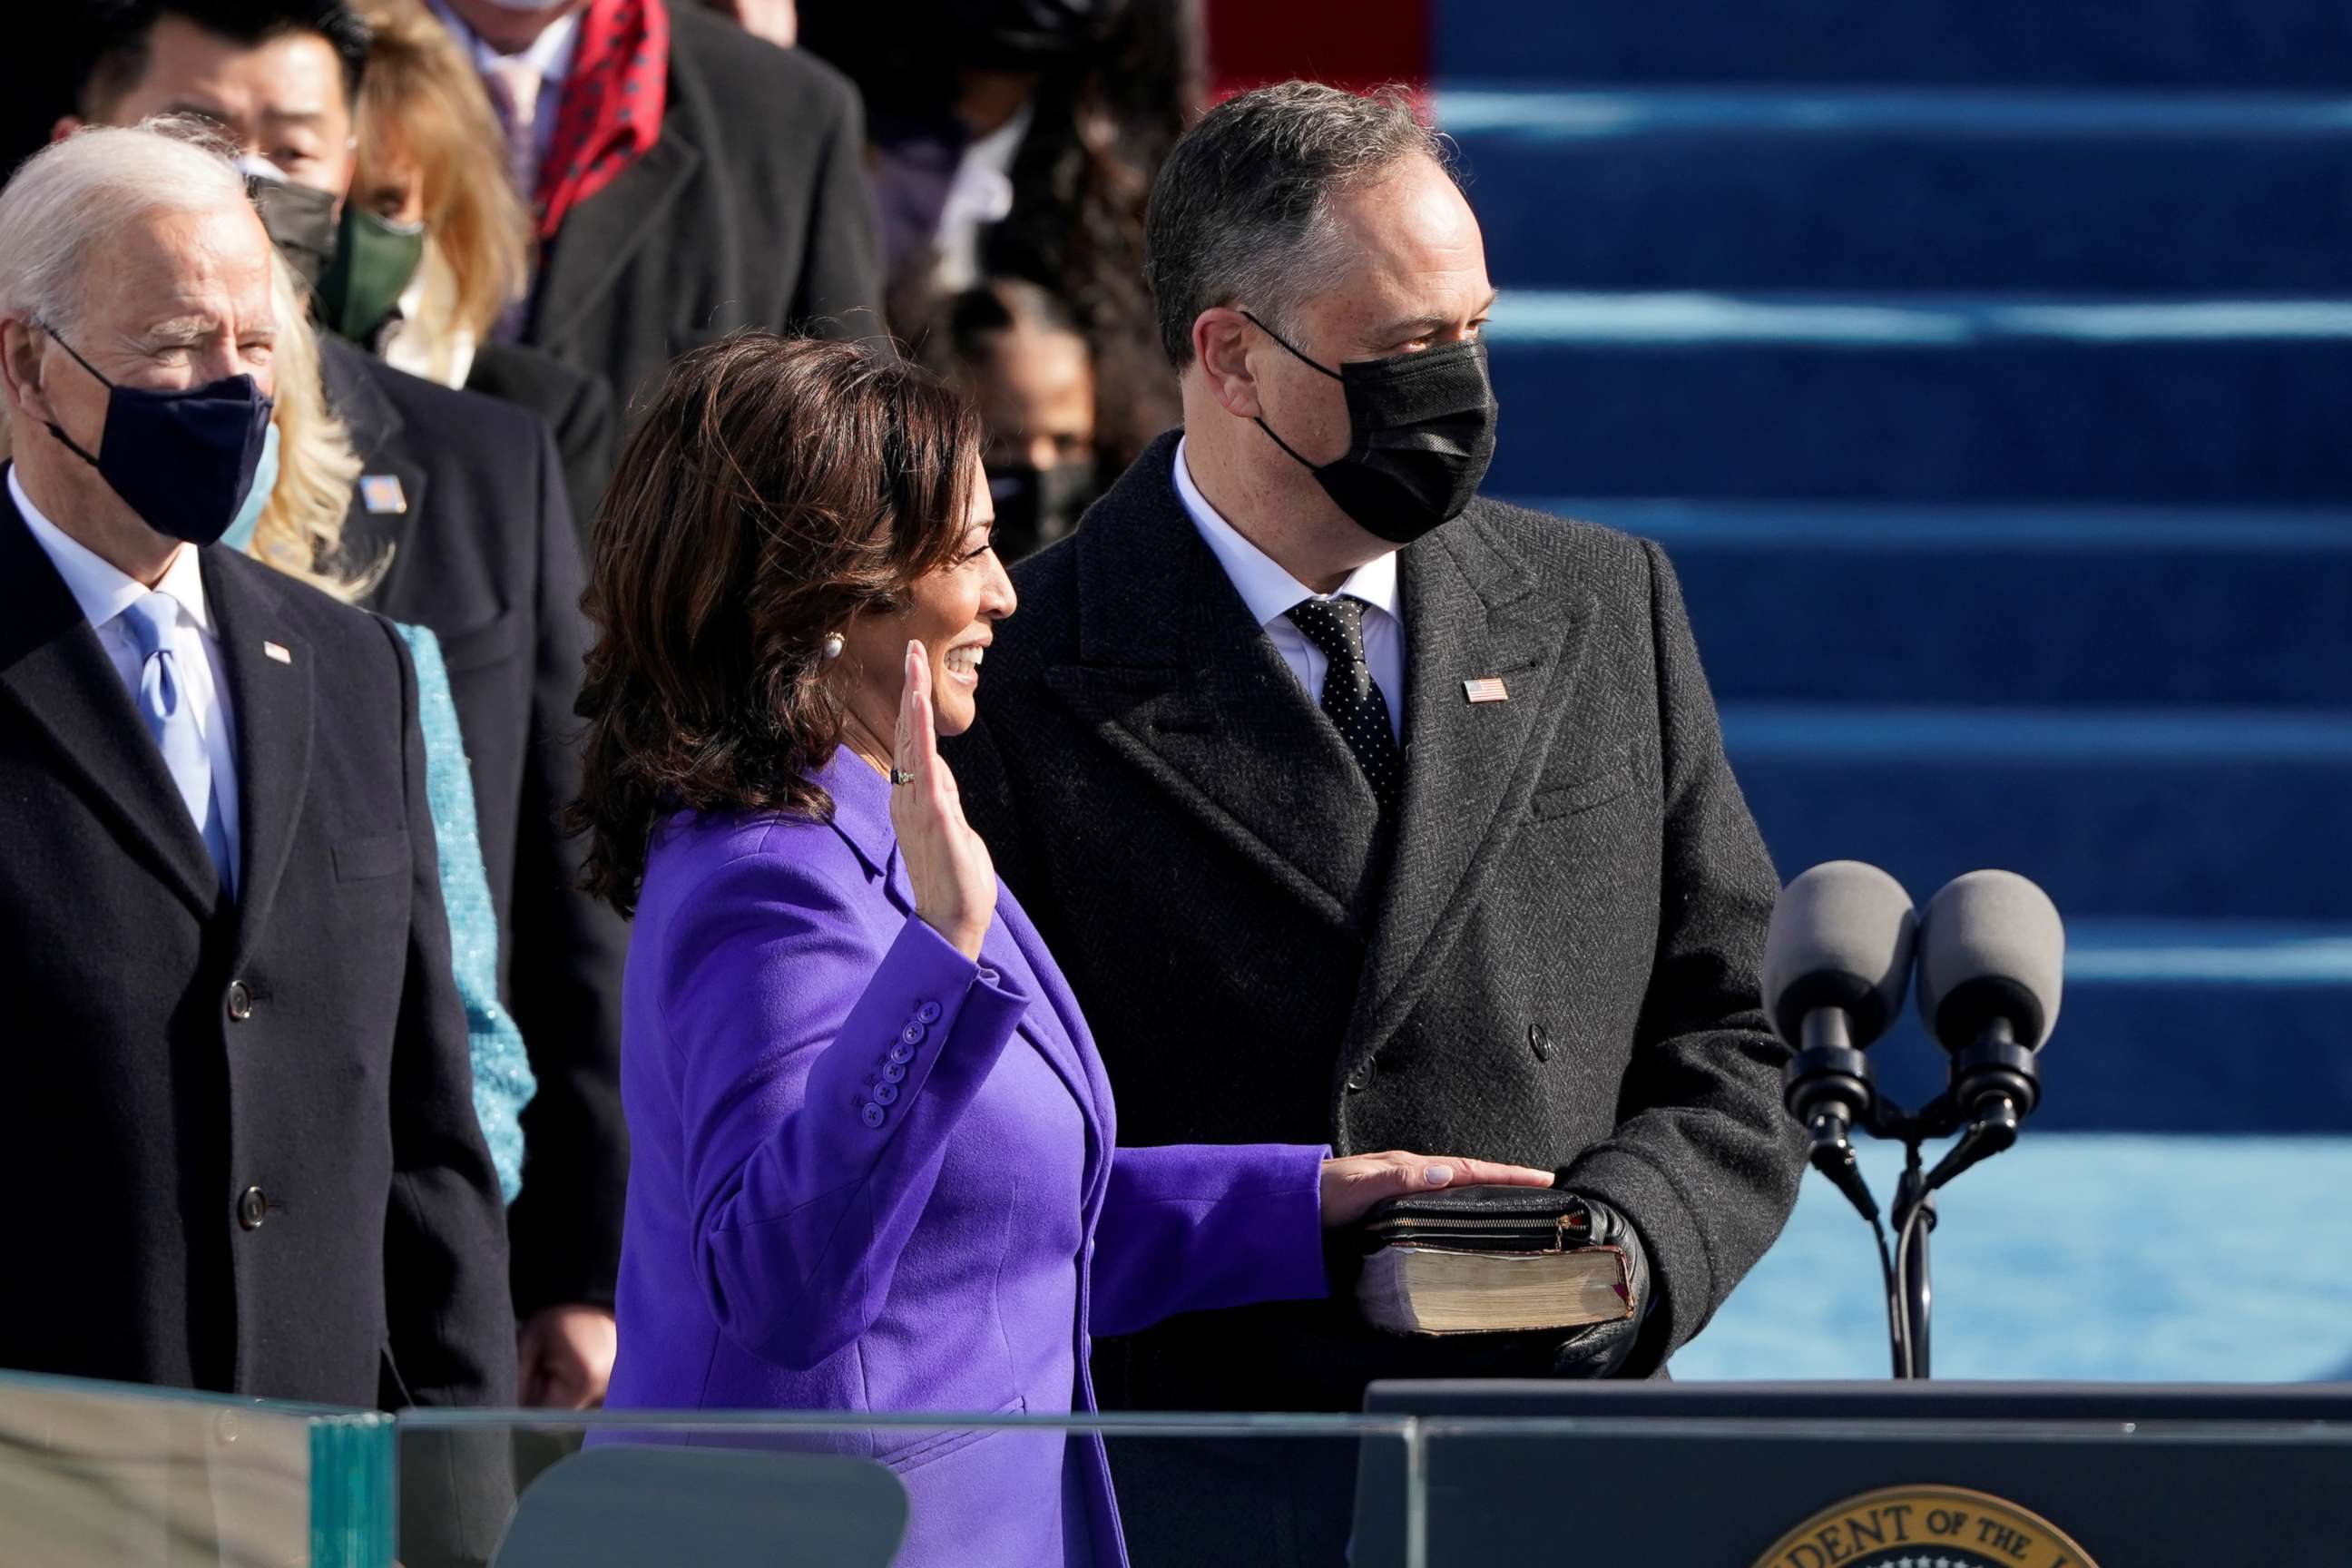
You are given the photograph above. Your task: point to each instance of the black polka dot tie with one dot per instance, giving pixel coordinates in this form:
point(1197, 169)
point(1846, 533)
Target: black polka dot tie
point(1351, 698)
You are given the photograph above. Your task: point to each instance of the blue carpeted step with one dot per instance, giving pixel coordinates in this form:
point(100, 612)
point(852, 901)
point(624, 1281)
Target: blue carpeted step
point(2163, 813)
point(2041, 605)
point(2214, 402)
point(2166, 43)
point(1957, 191)
point(2072, 1257)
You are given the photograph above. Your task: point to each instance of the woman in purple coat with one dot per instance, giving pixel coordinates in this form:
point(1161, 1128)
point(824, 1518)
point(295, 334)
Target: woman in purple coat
point(875, 1164)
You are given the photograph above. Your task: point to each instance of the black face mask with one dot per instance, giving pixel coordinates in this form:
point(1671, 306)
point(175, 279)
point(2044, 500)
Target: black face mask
point(1421, 431)
point(182, 460)
point(300, 221)
point(1035, 507)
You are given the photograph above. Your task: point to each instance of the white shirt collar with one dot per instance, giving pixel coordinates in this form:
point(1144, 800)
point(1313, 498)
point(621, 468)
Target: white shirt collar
point(550, 53)
point(1264, 586)
point(102, 589)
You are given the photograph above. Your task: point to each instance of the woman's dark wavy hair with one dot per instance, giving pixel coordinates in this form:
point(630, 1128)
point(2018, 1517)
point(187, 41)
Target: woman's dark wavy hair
point(774, 487)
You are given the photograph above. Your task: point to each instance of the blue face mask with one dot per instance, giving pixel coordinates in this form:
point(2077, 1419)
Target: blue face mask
point(265, 479)
point(184, 461)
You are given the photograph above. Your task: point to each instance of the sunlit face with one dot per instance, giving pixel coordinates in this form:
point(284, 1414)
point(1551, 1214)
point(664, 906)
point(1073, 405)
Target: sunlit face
point(1036, 396)
point(1416, 281)
point(283, 98)
point(953, 611)
point(175, 301)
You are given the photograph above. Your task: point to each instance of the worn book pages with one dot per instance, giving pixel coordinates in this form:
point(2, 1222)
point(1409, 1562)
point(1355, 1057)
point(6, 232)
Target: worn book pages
point(1420, 1290)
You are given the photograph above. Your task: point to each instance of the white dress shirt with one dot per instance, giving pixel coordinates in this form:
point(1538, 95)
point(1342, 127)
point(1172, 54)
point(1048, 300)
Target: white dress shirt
point(1270, 592)
point(549, 55)
point(104, 593)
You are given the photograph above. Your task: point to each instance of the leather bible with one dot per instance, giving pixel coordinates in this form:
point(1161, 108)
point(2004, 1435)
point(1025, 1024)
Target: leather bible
point(1488, 1260)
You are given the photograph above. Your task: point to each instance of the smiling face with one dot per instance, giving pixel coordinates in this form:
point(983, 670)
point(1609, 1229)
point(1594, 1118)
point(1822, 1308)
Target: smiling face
point(952, 612)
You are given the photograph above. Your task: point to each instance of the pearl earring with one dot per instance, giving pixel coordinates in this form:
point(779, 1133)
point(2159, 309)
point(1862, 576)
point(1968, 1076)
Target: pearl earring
point(832, 644)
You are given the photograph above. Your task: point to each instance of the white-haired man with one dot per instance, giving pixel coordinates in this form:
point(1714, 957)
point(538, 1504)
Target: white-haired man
point(237, 1065)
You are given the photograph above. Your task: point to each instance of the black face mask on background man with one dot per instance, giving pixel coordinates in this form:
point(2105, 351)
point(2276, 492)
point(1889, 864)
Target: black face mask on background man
point(184, 460)
point(1421, 431)
point(299, 220)
point(1034, 507)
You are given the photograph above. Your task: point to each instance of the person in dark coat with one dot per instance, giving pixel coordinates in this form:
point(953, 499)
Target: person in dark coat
point(687, 179)
point(461, 501)
point(1356, 809)
point(237, 1060)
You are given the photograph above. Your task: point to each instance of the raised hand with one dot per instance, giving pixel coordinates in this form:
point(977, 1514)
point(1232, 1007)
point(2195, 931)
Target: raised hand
point(946, 864)
point(1352, 1184)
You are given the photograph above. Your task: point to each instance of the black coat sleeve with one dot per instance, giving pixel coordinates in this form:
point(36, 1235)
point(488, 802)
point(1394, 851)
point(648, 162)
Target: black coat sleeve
point(566, 972)
point(1704, 1161)
point(451, 1330)
point(840, 293)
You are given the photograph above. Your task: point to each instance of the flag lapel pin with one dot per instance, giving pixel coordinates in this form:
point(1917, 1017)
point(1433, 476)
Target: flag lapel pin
point(1485, 688)
point(382, 493)
point(278, 651)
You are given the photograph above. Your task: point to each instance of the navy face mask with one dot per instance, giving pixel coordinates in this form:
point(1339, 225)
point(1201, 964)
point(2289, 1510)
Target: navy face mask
point(183, 460)
point(1421, 431)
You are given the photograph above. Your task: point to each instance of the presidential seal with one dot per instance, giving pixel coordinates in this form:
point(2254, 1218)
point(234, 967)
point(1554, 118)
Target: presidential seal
point(1924, 1527)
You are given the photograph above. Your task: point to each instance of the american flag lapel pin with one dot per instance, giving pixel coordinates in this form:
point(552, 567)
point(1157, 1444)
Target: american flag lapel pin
point(382, 493)
point(278, 651)
point(1485, 688)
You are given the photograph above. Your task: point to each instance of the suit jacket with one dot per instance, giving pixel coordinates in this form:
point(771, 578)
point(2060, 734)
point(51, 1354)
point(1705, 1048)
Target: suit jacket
point(578, 409)
point(873, 1175)
point(482, 553)
point(254, 1117)
point(749, 211)
point(1558, 965)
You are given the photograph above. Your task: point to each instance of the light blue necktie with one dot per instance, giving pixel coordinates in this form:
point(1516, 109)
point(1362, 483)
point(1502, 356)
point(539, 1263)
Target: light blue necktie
point(163, 702)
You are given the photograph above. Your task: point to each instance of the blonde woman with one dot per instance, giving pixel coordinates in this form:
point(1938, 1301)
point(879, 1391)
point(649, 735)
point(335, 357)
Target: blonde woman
point(293, 522)
point(435, 252)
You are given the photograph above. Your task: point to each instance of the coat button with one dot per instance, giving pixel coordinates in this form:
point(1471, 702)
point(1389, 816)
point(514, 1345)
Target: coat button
point(902, 1054)
point(252, 1208)
point(240, 1002)
point(894, 1072)
point(913, 1034)
point(872, 1115)
point(1539, 1042)
point(886, 1094)
point(1360, 1079)
point(929, 1012)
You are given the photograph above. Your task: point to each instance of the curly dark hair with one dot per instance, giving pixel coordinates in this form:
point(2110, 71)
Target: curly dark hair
point(773, 489)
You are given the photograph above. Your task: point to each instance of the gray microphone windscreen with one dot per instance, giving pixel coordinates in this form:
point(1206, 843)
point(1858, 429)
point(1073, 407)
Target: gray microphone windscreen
point(1991, 946)
point(1840, 937)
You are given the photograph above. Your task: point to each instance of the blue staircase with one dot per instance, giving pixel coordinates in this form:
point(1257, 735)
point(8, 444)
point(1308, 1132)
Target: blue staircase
point(1985, 367)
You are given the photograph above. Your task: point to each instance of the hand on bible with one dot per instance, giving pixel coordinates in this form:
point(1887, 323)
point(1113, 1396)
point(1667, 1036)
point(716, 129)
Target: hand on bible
point(1353, 1184)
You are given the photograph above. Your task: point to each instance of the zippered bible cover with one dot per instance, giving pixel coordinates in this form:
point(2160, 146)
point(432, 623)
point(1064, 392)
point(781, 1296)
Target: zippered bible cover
point(1487, 1260)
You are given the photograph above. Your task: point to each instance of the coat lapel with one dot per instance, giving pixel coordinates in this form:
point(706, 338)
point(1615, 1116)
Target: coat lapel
point(381, 514)
point(271, 698)
point(1179, 681)
point(600, 235)
point(1471, 612)
point(53, 666)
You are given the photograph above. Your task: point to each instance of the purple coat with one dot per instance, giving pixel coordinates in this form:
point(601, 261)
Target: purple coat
point(870, 1175)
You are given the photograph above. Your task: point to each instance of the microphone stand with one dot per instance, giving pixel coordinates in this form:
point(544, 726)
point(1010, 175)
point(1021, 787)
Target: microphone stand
point(1994, 1084)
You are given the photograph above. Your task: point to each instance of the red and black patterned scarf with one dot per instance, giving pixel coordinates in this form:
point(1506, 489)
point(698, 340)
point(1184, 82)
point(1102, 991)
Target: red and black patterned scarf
point(611, 112)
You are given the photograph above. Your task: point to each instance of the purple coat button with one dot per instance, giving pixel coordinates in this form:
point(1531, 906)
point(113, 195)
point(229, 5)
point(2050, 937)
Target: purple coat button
point(872, 1115)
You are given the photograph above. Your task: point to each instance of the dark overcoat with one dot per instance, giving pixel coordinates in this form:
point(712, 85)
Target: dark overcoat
point(1555, 963)
point(751, 211)
point(476, 542)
